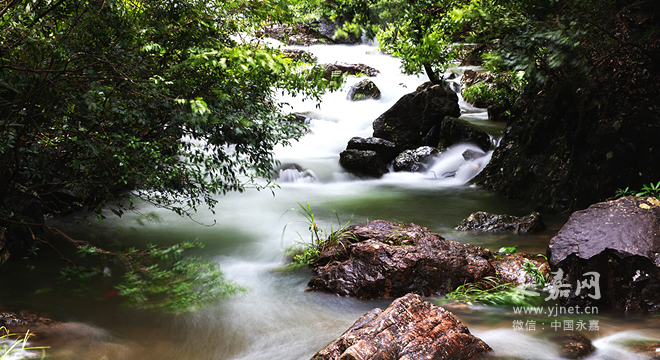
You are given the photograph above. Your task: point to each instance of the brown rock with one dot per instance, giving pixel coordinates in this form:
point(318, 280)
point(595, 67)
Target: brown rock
point(385, 259)
point(409, 328)
point(574, 346)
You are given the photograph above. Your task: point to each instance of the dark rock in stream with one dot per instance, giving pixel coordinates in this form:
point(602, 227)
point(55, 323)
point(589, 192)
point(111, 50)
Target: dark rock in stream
point(385, 149)
point(612, 249)
point(486, 222)
point(574, 346)
point(409, 121)
point(415, 159)
point(365, 89)
point(363, 162)
point(456, 131)
point(410, 328)
point(386, 259)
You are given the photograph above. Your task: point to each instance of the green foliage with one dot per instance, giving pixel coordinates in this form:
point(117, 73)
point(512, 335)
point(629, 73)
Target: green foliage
point(491, 291)
point(307, 252)
point(647, 190)
point(103, 101)
point(504, 89)
point(12, 345)
point(508, 249)
point(540, 278)
point(420, 32)
point(101, 97)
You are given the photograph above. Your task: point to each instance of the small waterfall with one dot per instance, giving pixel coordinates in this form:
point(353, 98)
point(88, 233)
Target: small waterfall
point(337, 120)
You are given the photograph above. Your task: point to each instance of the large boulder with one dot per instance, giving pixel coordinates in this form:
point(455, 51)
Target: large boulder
point(454, 131)
point(385, 149)
point(486, 222)
point(415, 159)
point(363, 162)
point(612, 249)
point(408, 122)
point(365, 89)
point(410, 328)
point(386, 259)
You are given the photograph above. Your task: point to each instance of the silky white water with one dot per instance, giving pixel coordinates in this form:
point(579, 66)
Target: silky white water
point(276, 318)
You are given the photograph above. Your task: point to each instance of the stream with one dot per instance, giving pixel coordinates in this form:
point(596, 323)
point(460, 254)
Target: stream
point(276, 318)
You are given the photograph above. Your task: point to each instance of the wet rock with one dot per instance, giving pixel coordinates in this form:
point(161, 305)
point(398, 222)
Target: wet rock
point(365, 89)
point(415, 159)
point(339, 69)
point(386, 259)
point(363, 162)
point(410, 328)
point(23, 320)
point(613, 250)
point(456, 131)
point(385, 149)
point(486, 222)
point(574, 346)
point(470, 155)
point(519, 268)
point(409, 121)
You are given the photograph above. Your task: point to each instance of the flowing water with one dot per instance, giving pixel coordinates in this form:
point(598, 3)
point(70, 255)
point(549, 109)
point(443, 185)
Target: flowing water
point(276, 318)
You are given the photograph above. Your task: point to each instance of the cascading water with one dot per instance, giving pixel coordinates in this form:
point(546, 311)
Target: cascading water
point(276, 318)
point(338, 119)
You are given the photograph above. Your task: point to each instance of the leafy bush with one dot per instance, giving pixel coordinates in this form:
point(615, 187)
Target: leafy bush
point(504, 90)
